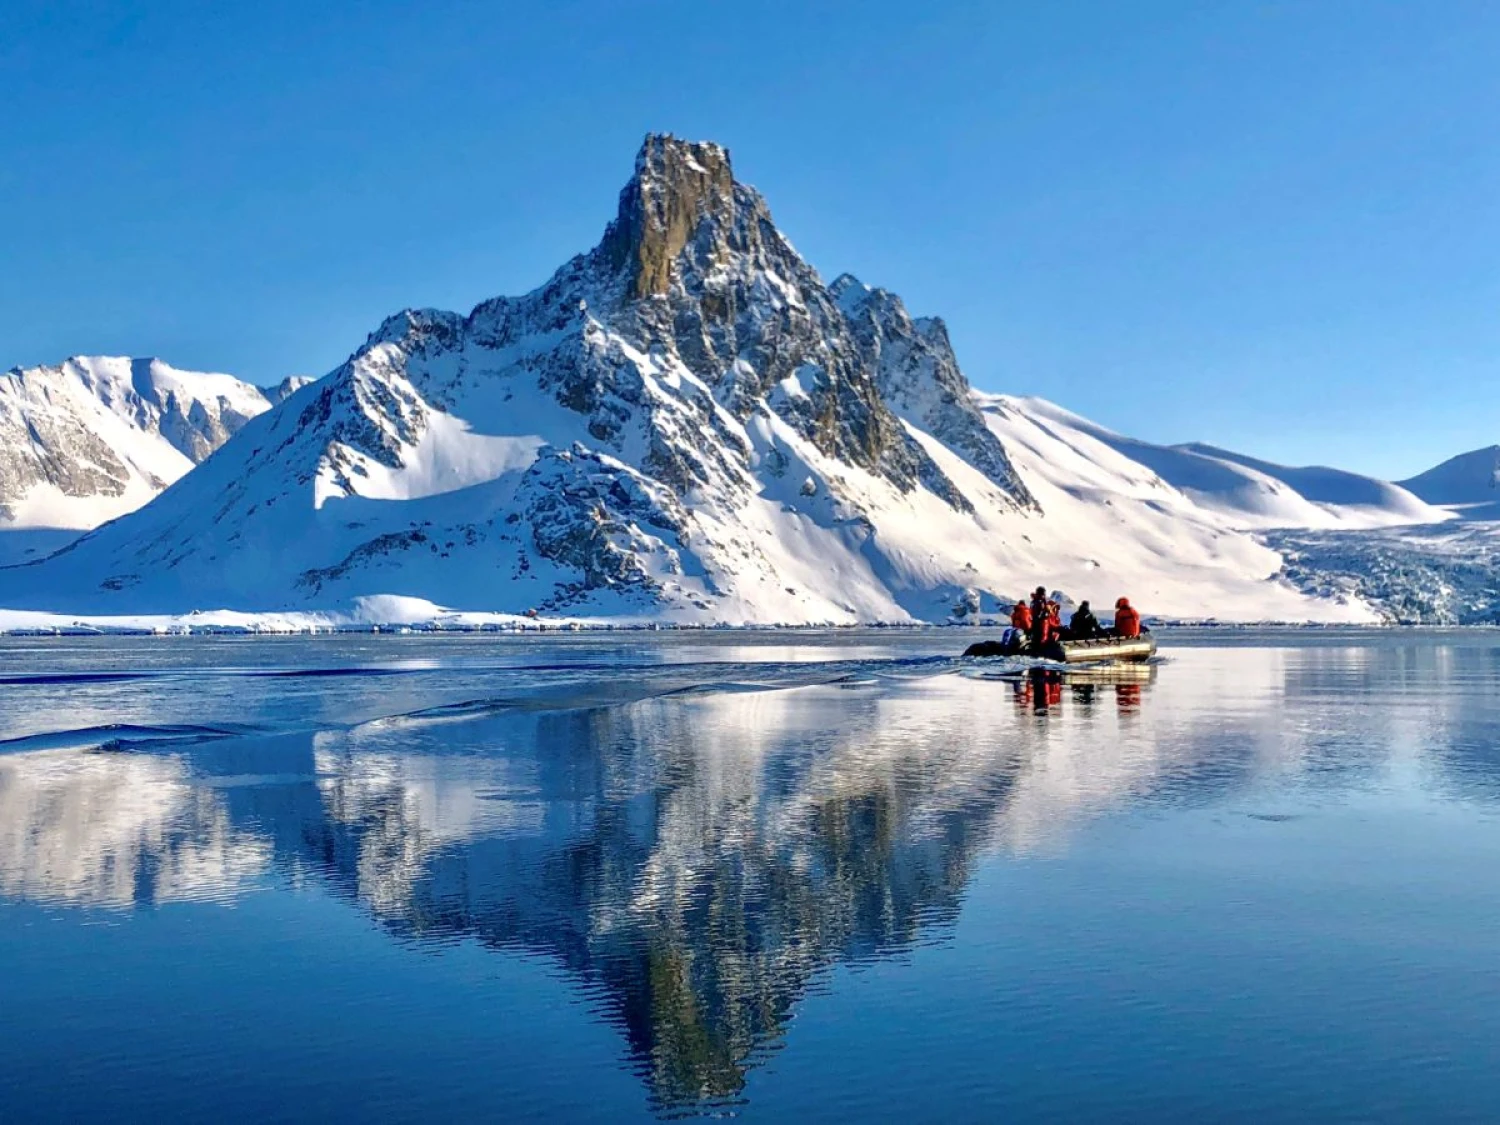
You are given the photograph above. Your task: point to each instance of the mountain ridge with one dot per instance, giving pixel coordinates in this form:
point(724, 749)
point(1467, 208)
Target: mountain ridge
point(94, 437)
point(683, 423)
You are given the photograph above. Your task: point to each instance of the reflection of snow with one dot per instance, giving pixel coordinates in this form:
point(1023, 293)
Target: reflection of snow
point(115, 829)
point(411, 805)
point(698, 858)
point(746, 781)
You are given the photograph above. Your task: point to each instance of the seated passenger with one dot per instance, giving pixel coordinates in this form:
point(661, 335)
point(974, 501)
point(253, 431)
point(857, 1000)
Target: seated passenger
point(1084, 625)
point(1020, 617)
point(1127, 620)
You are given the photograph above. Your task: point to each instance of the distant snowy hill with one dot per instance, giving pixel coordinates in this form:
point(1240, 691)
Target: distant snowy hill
point(1345, 499)
point(1152, 521)
point(98, 436)
point(1246, 492)
point(1468, 479)
point(687, 424)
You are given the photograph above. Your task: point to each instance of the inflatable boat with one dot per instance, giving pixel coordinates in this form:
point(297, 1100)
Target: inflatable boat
point(1092, 651)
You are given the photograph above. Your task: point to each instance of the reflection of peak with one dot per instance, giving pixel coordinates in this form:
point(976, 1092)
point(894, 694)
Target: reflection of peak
point(698, 894)
point(695, 861)
point(702, 892)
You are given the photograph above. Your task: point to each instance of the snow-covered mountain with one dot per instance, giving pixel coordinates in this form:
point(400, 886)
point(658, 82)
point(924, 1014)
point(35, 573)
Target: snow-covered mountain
point(98, 436)
point(687, 423)
point(685, 419)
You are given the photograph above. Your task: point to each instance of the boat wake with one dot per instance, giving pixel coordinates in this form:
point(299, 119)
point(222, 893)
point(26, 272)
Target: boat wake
point(121, 738)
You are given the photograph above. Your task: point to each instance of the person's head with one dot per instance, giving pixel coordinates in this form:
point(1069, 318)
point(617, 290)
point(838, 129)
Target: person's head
point(1039, 592)
point(1083, 606)
point(1122, 603)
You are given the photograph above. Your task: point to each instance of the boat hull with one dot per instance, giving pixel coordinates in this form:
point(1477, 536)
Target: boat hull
point(1129, 650)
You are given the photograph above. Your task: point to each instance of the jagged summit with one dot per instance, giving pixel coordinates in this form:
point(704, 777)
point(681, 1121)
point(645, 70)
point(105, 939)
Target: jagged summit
point(693, 272)
point(677, 184)
point(685, 416)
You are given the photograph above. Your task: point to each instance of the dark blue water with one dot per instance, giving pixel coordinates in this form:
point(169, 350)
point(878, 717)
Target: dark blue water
point(782, 877)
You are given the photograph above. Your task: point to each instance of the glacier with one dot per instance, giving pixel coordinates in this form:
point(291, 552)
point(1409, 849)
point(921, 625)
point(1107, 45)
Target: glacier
point(685, 425)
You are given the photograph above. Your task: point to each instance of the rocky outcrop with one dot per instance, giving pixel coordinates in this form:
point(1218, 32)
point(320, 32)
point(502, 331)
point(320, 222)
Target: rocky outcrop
point(919, 378)
point(603, 520)
point(694, 287)
point(677, 185)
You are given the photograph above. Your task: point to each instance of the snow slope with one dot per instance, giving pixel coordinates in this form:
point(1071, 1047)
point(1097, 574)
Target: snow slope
point(98, 436)
point(1348, 499)
point(1111, 520)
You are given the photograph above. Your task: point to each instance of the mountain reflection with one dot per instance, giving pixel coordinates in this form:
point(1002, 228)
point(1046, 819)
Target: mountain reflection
point(695, 860)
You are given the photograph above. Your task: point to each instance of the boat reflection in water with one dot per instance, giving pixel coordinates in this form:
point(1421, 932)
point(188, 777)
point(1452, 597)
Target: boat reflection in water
point(1040, 690)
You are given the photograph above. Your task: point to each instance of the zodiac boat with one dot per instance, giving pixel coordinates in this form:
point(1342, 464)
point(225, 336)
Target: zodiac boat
point(1093, 651)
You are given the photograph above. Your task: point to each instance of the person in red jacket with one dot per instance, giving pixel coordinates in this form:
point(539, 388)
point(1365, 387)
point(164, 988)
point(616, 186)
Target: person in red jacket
point(1020, 617)
point(1127, 620)
point(1054, 621)
point(1018, 636)
point(1039, 617)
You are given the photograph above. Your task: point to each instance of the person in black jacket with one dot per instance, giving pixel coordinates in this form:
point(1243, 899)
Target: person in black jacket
point(1084, 624)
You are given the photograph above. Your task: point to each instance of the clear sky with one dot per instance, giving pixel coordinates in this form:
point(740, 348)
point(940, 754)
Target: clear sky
point(1273, 226)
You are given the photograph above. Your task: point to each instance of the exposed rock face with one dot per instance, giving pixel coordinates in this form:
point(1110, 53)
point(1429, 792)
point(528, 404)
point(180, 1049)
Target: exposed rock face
point(61, 452)
point(918, 376)
point(694, 271)
point(676, 186)
point(703, 274)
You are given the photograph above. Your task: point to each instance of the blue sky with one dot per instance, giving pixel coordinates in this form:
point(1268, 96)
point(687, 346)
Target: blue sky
point(1271, 226)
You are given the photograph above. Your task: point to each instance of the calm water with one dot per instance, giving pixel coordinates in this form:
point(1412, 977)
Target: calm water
point(776, 877)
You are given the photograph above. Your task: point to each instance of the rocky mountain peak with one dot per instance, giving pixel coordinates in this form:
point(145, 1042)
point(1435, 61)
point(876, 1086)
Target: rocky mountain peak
point(685, 414)
point(676, 184)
